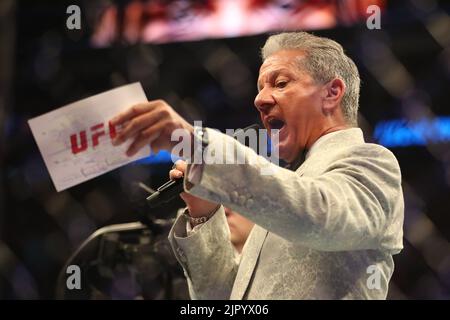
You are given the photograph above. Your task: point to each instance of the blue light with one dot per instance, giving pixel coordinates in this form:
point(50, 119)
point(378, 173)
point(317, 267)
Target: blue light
point(403, 133)
point(162, 157)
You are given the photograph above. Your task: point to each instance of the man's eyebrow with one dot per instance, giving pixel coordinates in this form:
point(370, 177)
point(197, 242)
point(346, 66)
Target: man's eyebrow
point(271, 75)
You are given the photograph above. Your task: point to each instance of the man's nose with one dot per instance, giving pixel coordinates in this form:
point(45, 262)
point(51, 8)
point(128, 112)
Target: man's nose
point(264, 101)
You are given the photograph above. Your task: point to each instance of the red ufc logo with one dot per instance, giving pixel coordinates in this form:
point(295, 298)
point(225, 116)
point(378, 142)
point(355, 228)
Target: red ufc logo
point(96, 132)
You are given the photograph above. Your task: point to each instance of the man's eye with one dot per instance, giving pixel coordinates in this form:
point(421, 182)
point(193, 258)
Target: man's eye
point(281, 84)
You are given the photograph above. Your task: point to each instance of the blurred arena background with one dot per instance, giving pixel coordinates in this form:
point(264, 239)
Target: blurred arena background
point(203, 57)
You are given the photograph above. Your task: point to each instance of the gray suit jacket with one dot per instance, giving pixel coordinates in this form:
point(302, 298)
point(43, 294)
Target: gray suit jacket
point(326, 231)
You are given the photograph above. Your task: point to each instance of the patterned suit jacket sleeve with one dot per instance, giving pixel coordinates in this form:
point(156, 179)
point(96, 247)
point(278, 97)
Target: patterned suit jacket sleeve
point(353, 202)
point(207, 257)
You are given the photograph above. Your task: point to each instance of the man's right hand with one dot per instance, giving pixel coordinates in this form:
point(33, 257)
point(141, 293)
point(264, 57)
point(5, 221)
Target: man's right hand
point(197, 207)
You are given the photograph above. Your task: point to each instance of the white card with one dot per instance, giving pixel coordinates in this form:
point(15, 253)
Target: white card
point(75, 140)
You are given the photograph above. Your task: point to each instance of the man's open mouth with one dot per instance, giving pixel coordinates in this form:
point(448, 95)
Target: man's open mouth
point(275, 123)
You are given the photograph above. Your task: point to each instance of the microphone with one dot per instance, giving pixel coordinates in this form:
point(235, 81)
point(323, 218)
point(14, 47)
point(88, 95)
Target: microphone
point(172, 188)
point(166, 192)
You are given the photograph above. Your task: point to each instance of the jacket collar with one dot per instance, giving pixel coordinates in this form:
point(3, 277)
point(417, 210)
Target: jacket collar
point(328, 141)
point(336, 139)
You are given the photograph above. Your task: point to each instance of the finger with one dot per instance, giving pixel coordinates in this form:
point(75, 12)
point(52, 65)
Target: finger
point(146, 137)
point(134, 126)
point(175, 174)
point(135, 110)
point(140, 142)
point(155, 146)
point(154, 133)
point(159, 144)
point(132, 112)
point(180, 165)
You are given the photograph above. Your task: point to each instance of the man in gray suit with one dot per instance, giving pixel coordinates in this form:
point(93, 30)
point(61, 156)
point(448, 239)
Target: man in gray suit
point(324, 229)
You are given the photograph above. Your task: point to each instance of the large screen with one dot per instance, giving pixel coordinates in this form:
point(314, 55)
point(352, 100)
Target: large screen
point(159, 21)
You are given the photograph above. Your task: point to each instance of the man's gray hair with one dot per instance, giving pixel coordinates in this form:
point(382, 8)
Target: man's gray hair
point(324, 61)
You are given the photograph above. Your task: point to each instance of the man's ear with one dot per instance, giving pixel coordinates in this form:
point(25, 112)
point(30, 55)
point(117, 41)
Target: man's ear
point(334, 91)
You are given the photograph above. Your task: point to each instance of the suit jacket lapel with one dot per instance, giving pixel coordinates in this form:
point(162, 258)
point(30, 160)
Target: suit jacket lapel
point(249, 259)
point(248, 262)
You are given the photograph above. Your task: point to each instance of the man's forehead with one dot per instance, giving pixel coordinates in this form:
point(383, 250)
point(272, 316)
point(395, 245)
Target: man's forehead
point(281, 59)
point(279, 62)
